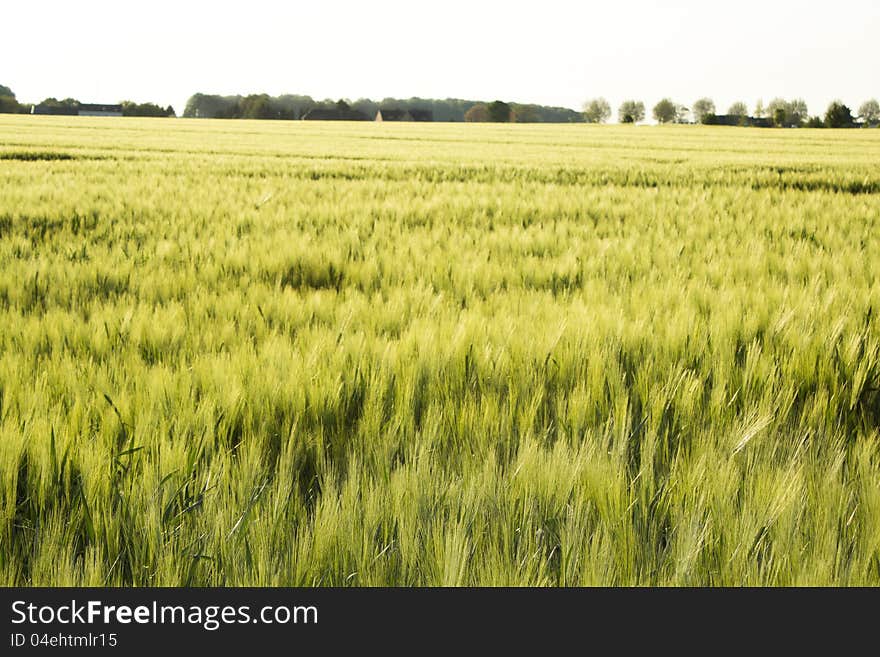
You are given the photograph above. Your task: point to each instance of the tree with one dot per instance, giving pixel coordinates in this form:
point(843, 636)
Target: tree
point(209, 106)
point(290, 107)
point(478, 113)
point(741, 111)
point(839, 116)
point(703, 108)
point(130, 108)
point(365, 105)
point(738, 109)
point(665, 111)
point(597, 111)
point(524, 113)
point(778, 110)
point(869, 112)
point(8, 104)
point(67, 106)
point(499, 111)
point(797, 112)
point(815, 122)
point(295, 107)
point(631, 111)
point(779, 117)
point(786, 113)
point(760, 110)
point(259, 106)
point(682, 114)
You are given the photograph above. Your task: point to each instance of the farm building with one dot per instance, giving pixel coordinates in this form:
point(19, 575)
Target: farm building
point(87, 109)
point(54, 110)
point(736, 120)
point(391, 114)
point(82, 109)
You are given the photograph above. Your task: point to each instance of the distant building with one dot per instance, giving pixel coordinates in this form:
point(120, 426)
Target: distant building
point(737, 120)
point(54, 110)
point(334, 114)
point(86, 109)
point(760, 122)
point(82, 109)
point(392, 114)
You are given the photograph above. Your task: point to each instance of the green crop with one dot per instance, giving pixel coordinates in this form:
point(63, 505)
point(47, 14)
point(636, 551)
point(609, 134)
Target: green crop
point(294, 353)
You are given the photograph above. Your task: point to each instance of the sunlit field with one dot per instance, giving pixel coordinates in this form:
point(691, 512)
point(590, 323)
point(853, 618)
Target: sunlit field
point(358, 354)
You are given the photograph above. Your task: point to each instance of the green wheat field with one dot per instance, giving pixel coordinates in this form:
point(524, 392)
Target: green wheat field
point(357, 354)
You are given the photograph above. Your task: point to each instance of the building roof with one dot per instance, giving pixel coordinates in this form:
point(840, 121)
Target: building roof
point(736, 120)
point(392, 114)
point(91, 107)
point(55, 110)
point(73, 110)
point(397, 114)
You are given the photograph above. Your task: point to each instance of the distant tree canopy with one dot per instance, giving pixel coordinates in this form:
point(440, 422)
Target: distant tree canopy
point(788, 113)
point(703, 108)
point(738, 109)
point(8, 103)
point(797, 111)
point(499, 111)
point(631, 111)
point(65, 106)
point(254, 106)
point(597, 111)
point(525, 113)
point(296, 107)
point(544, 114)
point(781, 112)
point(257, 106)
point(130, 108)
point(869, 112)
point(779, 117)
point(479, 113)
point(665, 111)
point(682, 114)
point(368, 107)
point(760, 110)
point(839, 115)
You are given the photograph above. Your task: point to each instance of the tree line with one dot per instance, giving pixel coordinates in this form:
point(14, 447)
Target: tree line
point(777, 113)
point(294, 107)
point(9, 104)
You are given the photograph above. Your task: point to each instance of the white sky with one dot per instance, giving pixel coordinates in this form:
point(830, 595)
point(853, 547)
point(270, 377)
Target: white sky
point(555, 52)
